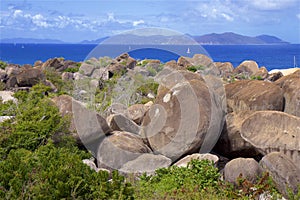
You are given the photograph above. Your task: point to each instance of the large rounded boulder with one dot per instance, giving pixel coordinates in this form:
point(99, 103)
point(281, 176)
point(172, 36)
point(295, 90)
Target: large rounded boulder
point(291, 92)
point(180, 119)
point(253, 95)
point(272, 131)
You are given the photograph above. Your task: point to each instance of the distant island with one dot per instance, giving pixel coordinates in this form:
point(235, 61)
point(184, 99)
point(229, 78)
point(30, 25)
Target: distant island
point(228, 38)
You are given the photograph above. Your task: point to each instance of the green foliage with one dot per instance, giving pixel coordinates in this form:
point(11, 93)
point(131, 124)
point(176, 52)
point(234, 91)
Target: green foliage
point(57, 173)
point(2, 86)
point(198, 177)
point(143, 63)
point(72, 69)
point(36, 120)
point(292, 195)
point(195, 68)
point(152, 71)
point(64, 87)
point(256, 77)
point(3, 64)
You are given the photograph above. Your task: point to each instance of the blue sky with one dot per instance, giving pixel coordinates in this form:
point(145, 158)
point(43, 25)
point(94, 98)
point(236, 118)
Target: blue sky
point(73, 20)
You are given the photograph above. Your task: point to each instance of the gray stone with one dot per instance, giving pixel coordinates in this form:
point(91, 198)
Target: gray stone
point(90, 126)
point(7, 96)
point(137, 112)
point(242, 168)
point(86, 69)
point(4, 118)
point(284, 172)
point(119, 148)
point(231, 144)
point(145, 163)
point(30, 77)
point(270, 131)
point(196, 156)
point(253, 95)
point(247, 67)
point(119, 122)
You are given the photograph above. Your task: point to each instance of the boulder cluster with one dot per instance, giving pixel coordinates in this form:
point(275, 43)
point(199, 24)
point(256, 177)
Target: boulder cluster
point(245, 119)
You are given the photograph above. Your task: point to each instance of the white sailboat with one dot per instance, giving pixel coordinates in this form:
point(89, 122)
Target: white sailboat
point(188, 50)
point(295, 64)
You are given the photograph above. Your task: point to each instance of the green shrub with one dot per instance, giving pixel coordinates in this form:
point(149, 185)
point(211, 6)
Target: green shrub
point(36, 120)
point(57, 173)
point(72, 70)
point(256, 77)
point(63, 87)
point(3, 64)
point(199, 176)
point(2, 86)
point(195, 68)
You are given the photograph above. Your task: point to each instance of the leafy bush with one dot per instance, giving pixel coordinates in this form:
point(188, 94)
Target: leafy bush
point(57, 173)
point(2, 64)
point(36, 120)
point(256, 77)
point(72, 70)
point(64, 87)
point(199, 176)
point(195, 68)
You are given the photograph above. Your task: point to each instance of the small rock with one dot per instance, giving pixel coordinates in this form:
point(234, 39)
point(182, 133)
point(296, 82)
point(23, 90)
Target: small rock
point(119, 122)
point(283, 171)
point(119, 148)
point(242, 167)
point(145, 163)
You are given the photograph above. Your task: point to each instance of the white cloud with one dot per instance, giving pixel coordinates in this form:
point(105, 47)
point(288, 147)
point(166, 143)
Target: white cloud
point(298, 16)
point(227, 17)
point(136, 23)
point(17, 13)
point(271, 4)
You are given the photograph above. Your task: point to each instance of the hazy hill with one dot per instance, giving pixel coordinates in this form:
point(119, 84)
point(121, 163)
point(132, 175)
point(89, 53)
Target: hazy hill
point(30, 40)
point(227, 38)
point(233, 38)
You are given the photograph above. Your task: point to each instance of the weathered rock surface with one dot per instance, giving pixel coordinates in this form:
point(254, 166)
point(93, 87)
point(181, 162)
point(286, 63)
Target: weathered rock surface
point(7, 96)
point(231, 144)
point(196, 156)
point(274, 76)
point(30, 77)
point(90, 126)
point(172, 126)
point(137, 112)
point(247, 67)
point(242, 168)
point(4, 118)
point(55, 63)
point(119, 122)
point(87, 69)
point(284, 172)
point(119, 148)
point(226, 68)
point(291, 92)
point(270, 131)
point(253, 95)
point(128, 61)
point(67, 76)
point(145, 163)
point(261, 73)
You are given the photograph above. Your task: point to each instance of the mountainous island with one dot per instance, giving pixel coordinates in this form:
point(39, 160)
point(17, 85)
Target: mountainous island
point(228, 38)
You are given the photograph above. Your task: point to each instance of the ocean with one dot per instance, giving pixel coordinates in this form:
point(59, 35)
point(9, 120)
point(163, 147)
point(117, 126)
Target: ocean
point(270, 56)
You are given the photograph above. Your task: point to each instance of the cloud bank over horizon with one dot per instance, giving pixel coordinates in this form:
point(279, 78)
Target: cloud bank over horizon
point(74, 21)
